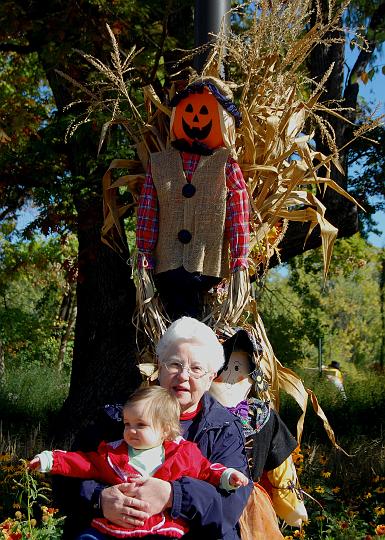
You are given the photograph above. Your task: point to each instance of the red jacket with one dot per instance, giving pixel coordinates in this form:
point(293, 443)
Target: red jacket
point(110, 464)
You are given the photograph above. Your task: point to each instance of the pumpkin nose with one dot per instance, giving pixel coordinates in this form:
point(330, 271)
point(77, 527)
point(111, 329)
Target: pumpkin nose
point(195, 119)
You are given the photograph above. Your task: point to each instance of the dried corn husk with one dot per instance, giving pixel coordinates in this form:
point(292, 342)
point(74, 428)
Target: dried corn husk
point(281, 378)
point(149, 316)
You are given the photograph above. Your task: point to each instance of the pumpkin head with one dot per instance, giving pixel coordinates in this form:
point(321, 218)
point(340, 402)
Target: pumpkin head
point(197, 118)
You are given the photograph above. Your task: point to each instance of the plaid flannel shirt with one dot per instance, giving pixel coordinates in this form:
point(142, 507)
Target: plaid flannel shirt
point(237, 213)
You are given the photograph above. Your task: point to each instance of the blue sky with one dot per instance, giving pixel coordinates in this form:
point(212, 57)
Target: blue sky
point(374, 93)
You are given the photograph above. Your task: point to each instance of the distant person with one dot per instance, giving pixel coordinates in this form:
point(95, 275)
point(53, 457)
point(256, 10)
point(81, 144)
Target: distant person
point(152, 446)
point(334, 375)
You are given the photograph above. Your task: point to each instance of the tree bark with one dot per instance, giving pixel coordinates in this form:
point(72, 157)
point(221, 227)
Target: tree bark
point(68, 315)
point(2, 362)
point(104, 361)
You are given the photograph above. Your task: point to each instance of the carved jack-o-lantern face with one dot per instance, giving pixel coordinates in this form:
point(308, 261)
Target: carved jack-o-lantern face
point(196, 118)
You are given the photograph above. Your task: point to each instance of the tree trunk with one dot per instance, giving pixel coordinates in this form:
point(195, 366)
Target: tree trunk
point(68, 315)
point(105, 352)
point(2, 362)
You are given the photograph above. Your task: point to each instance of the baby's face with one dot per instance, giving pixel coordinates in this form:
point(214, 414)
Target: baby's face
point(139, 431)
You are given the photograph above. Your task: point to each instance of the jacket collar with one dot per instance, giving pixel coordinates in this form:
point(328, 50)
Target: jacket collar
point(214, 415)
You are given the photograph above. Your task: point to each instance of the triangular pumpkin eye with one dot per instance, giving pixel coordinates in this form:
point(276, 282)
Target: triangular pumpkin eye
point(189, 108)
point(204, 110)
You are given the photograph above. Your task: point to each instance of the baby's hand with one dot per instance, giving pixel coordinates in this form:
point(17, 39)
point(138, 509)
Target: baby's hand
point(238, 479)
point(34, 463)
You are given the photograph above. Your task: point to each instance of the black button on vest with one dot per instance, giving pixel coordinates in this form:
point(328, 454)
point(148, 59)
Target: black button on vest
point(188, 190)
point(184, 236)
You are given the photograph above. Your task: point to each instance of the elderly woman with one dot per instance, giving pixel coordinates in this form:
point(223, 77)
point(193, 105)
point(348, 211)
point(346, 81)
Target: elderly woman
point(189, 357)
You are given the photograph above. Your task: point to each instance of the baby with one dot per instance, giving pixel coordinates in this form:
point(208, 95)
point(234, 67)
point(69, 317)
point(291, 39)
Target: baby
point(152, 446)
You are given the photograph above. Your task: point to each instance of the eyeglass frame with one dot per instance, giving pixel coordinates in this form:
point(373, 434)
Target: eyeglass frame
point(184, 368)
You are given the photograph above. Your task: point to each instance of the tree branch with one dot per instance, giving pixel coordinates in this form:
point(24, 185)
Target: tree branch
point(352, 88)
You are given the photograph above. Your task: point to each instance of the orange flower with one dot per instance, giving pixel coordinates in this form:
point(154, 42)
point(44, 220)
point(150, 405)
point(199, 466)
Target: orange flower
point(322, 459)
point(15, 536)
point(297, 455)
point(380, 530)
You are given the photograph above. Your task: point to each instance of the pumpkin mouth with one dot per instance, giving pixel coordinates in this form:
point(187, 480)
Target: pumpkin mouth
point(196, 132)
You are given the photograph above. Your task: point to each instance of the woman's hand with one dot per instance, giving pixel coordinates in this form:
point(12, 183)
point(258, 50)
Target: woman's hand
point(157, 493)
point(121, 506)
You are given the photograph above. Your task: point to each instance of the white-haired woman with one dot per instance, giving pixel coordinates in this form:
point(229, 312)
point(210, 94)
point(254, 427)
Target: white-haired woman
point(189, 357)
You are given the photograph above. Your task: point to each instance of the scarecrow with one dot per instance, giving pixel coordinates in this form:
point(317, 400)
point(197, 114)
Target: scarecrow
point(194, 204)
point(241, 387)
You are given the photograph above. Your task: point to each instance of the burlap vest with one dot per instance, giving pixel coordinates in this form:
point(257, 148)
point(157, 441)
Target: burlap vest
point(191, 228)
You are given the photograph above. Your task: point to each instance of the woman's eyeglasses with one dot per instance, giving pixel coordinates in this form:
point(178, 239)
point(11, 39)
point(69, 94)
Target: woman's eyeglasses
point(174, 368)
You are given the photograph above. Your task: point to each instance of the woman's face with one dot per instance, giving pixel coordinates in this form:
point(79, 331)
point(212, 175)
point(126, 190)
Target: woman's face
point(187, 390)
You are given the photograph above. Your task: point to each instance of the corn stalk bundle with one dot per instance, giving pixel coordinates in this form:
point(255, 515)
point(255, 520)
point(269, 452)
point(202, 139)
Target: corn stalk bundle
point(280, 109)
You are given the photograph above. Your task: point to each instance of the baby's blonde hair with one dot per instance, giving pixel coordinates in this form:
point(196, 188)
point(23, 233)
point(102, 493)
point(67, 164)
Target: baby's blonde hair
point(162, 408)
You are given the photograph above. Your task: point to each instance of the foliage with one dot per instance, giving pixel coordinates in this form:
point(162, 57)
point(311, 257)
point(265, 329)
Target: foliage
point(35, 276)
point(367, 165)
point(344, 495)
point(33, 110)
point(344, 311)
point(359, 415)
point(27, 493)
point(32, 394)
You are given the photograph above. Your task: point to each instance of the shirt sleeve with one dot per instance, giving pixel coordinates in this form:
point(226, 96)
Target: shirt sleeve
point(77, 464)
point(147, 224)
point(237, 216)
